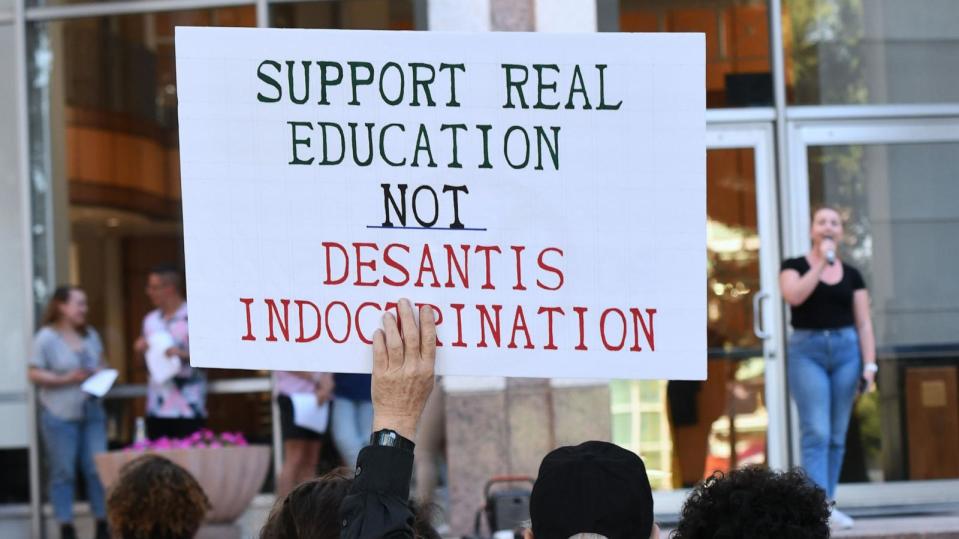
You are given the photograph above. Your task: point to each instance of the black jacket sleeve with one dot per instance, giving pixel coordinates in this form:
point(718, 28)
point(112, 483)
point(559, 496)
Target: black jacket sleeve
point(377, 504)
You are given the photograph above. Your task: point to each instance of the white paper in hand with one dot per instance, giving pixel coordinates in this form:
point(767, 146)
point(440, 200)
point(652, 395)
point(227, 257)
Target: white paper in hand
point(101, 382)
point(161, 367)
point(308, 414)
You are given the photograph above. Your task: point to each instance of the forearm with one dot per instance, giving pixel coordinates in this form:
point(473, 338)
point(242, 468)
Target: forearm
point(48, 378)
point(376, 505)
point(867, 343)
point(799, 290)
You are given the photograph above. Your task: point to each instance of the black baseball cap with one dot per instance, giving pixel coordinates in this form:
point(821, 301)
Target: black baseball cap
point(594, 487)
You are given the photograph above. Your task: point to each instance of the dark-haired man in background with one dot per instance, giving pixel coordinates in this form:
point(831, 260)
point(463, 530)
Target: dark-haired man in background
point(176, 407)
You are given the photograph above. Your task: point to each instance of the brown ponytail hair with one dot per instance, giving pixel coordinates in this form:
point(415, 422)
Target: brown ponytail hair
point(51, 313)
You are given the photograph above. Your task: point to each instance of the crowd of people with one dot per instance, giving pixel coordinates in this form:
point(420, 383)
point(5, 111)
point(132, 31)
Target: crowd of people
point(595, 489)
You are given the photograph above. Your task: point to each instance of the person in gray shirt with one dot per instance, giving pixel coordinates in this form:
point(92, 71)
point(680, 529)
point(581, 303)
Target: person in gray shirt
point(66, 351)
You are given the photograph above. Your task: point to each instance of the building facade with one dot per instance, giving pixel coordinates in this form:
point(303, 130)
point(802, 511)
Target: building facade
point(851, 103)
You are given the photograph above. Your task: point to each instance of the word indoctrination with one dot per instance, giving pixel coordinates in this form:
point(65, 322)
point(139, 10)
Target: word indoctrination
point(544, 195)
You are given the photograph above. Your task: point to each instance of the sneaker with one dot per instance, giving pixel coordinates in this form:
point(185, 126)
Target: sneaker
point(840, 520)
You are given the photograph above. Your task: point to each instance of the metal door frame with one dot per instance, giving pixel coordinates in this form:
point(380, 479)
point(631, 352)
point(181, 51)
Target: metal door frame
point(836, 126)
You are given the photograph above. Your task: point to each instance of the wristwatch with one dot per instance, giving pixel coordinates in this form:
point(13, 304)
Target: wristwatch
point(871, 367)
point(391, 438)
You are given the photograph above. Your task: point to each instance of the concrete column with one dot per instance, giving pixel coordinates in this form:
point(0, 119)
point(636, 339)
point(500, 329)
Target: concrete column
point(15, 316)
point(498, 426)
point(565, 15)
point(459, 15)
point(513, 15)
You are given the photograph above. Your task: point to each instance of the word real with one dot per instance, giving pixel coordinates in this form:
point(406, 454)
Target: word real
point(326, 83)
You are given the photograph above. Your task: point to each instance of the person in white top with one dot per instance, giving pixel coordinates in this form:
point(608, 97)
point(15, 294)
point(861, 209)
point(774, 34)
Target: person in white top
point(176, 408)
point(301, 446)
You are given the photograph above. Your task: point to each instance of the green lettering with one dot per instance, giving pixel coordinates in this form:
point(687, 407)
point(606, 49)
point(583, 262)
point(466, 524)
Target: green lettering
point(578, 75)
point(453, 128)
point(422, 143)
point(297, 141)
point(540, 86)
point(356, 81)
point(518, 85)
point(269, 80)
point(383, 145)
point(453, 68)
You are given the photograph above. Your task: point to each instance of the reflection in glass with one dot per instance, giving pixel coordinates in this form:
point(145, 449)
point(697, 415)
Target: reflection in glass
point(366, 14)
point(105, 164)
point(686, 430)
point(901, 223)
point(871, 51)
point(737, 43)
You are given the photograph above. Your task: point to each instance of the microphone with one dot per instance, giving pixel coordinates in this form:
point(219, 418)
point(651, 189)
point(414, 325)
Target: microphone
point(831, 253)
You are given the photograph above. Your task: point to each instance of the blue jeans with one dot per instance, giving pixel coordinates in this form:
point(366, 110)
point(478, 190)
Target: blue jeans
point(824, 370)
point(68, 443)
point(352, 426)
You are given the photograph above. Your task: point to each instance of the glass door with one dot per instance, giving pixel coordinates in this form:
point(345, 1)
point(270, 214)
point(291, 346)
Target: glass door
point(687, 430)
point(894, 182)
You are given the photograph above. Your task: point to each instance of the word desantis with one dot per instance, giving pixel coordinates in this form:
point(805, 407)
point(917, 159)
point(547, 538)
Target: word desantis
point(449, 266)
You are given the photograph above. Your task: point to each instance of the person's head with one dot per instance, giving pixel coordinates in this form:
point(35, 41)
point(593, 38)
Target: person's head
point(311, 511)
point(153, 498)
point(755, 502)
point(68, 304)
point(164, 285)
point(595, 488)
point(826, 223)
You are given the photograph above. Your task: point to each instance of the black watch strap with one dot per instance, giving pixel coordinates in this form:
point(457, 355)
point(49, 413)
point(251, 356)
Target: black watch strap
point(391, 438)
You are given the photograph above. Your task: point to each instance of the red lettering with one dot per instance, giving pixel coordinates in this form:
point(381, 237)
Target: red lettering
point(486, 249)
point(602, 329)
point(391, 262)
point(249, 320)
point(300, 303)
point(486, 320)
point(359, 310)
point(463, 271)
point(648, 332)
point(360, 264)
point(329, 269)
point(519, 323)
point(458, 307)
point(580, 312)
point(519, 267)
point(283, 322)
point(549, 323)
point(424, 267)
point(329, 331)
point(552, 269)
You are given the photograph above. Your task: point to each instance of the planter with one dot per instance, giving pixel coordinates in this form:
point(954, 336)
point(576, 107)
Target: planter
point(230, 476)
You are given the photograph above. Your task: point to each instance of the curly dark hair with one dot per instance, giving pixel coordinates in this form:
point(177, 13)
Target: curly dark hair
point(156, 499)
point(755, 502)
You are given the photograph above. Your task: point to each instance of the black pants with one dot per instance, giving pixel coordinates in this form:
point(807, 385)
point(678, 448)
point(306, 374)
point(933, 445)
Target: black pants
point(172, 427)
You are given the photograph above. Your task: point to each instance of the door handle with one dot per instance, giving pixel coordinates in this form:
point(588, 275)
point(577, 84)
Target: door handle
point(758, 329)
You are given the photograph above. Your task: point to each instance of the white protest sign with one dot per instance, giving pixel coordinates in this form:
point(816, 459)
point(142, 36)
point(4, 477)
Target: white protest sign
point(545, 193)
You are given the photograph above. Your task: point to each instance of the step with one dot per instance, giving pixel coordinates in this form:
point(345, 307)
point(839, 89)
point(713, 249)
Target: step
point(904, 527)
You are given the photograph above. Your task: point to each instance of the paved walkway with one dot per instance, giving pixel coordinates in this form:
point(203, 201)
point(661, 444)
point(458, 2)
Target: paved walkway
point(942, 526)
point(905, 527)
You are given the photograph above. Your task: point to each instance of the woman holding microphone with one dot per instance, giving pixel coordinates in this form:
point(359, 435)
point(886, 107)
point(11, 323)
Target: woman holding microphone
point(66, 351)
point(832, 351)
